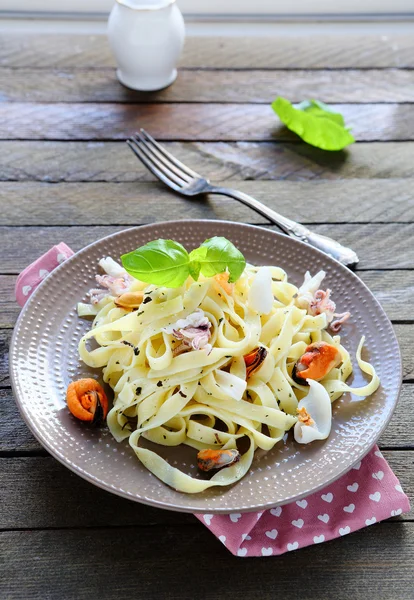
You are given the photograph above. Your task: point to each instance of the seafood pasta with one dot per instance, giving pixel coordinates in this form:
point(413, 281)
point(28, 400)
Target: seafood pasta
point(210, 364)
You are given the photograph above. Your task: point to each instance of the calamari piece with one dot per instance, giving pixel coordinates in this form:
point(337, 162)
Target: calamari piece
point(116, 281)
point(317, 301)
point(340, 319)
point(111, 267)
point(322, 303)
point(260, 296)
point(314, 415)
point(115, 285)
point(193, 332)
point(308, 288)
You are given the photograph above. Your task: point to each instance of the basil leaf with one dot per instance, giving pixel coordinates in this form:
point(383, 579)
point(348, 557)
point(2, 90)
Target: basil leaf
point(315, 122)
point(195, 268)
point(216, 255)
point(160, 262)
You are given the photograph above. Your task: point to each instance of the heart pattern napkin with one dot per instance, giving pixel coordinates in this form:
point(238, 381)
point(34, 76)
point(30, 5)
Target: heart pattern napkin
point(367, 494)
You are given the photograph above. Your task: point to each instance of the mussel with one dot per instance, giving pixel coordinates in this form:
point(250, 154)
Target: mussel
point(254, 360)
point(216, 459)
point(87, 401)
point(318, 360)
point(129, 300)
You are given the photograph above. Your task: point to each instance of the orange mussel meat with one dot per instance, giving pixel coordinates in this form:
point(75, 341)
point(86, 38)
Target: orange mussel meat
point(87, 401)
point(318, 360)
point(129, 300)
point(254, 360)
point(216, 459)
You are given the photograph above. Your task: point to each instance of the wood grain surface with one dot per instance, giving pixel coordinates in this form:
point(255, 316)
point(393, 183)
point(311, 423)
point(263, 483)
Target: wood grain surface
point(32, 203)
point(46, 487)
point(67, 175)
point(255, 86)
point(343, 51)
point(180, 121)
point(124, 566)
point(220, 161)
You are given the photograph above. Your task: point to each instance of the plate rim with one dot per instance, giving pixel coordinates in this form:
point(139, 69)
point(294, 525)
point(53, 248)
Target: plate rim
point(158, 503)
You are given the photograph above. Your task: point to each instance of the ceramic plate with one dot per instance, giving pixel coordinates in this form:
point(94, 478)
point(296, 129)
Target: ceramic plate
point(44, 361)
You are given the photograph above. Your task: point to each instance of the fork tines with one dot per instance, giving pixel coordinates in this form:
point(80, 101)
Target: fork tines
point(160, 162)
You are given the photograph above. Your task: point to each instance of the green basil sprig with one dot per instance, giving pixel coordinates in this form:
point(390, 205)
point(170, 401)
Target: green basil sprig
point(167, 263)
point(315, 122)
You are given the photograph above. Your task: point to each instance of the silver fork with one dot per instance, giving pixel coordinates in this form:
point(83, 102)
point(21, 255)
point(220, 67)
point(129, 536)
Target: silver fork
point(187, 182)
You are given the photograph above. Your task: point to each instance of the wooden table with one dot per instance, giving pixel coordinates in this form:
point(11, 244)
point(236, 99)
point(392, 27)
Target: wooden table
point(68, 176)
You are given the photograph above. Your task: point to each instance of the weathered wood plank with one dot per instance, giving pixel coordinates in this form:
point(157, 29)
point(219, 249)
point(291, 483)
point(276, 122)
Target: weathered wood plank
point(139, 562)
point(52, 496)
point(405, 336)
point(378, 246)
point(201, 122)
point(5, 337)
point(33, 203)
point(9, 309)
point(92, 85)
point(219, 161)
point(393, 289)
point(277, 52)
point(404, 332)
point(16, 437)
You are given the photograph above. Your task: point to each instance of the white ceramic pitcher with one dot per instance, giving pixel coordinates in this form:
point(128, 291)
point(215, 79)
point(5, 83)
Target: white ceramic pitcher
point(146, 37)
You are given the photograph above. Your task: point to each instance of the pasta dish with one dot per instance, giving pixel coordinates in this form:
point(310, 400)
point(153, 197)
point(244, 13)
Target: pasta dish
point(223, 367)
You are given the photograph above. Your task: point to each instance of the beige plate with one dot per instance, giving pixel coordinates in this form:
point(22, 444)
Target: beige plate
point(44, 360)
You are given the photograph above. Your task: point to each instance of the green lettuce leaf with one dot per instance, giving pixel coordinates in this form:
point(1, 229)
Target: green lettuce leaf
point(315, 122)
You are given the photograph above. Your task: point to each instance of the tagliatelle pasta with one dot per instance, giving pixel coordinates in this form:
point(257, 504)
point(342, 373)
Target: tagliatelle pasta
point(171, 387)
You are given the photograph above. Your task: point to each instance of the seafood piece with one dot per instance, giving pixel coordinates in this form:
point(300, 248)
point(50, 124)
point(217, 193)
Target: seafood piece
point(318, 360)
point(254, 360)
point(111, 267)
point(260, 294)
point(222, 279)
point(314, 415)
point(340, 319)
point(308, 288)
point(216, 459)
point(193, 331)
point(304, 417)
point(129, 300)
point(322, 303)
point(317, 301)
point(87, 401)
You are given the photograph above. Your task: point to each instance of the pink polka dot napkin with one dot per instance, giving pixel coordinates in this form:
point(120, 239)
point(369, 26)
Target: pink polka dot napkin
point(367, 494)
point(29, 279)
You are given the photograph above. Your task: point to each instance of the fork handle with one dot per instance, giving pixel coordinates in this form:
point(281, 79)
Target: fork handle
point(344, 255)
